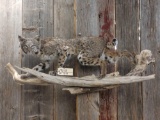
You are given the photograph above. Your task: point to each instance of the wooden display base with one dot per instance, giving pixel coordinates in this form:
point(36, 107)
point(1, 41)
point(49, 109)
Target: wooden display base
point(76, 85)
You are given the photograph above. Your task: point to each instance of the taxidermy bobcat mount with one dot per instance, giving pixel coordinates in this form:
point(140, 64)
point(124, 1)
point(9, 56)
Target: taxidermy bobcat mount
point(90, 51)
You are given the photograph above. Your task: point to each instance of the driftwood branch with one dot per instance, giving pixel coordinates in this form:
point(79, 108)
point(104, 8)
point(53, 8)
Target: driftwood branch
point(76, 85)
point(87, 81)
point(17, 77)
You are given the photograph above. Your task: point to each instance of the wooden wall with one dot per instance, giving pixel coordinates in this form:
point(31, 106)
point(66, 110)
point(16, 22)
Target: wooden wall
point(135, 24)
point(10, 27)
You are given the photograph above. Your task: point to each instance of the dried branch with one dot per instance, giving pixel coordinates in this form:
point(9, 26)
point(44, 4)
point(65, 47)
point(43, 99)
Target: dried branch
point(76, 85)
point(17, 77)
point(91, 81)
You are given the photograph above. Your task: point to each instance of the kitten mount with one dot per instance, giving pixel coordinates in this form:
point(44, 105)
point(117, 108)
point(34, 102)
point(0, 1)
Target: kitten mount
point(76, 85)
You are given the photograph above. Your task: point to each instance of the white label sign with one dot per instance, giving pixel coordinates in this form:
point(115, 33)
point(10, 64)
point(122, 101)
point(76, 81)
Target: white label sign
point(65, 71)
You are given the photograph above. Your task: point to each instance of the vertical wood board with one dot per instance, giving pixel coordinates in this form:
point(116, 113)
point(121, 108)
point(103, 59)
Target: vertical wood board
point(64, 102)
point(108, 98)
point(87, 25)
point(150, 40)
point(37, 20)
point(130, 106)
point(10, 27)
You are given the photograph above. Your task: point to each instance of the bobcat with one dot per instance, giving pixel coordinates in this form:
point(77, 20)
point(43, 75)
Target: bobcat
point(90, 51)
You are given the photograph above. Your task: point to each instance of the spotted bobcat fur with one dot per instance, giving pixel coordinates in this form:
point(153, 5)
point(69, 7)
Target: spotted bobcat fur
point(90, 51)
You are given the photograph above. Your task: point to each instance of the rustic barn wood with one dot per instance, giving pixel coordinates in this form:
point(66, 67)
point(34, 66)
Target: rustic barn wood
point(87, 25)
point(67, 18)
point(65, 104)
point(108, 99)
point(150, 40)
point(10, 93)
point(130, 106)
point(37, 19)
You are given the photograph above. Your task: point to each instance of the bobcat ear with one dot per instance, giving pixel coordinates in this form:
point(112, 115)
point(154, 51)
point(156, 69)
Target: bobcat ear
point(37, 37)
point(21, 39)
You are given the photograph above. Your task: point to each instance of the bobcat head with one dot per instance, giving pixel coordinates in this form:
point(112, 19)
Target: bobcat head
point(113, 44)
point(30, 45)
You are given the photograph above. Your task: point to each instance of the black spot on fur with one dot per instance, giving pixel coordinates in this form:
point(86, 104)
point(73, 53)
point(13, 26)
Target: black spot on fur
point(91, 62)
point(36, 69)
point(96, 62)
point(79, 58)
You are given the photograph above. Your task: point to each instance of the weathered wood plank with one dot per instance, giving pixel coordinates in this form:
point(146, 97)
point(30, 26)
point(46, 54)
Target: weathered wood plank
point(108, 99)
point(37, 101)
point(150, 40)
point(130, 104)
point(64, 103)
point(10, 27)
point(87, 25)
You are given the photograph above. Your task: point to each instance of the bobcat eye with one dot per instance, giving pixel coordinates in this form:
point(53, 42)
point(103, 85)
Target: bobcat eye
point(25, 49)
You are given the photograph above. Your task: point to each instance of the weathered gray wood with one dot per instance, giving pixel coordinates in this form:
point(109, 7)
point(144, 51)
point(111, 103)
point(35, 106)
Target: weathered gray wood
point(150, 40)
point(108, 99)
point(130, 104)
point(37, 100)
point(64, 103)
point(87, 25)
point(10, 27)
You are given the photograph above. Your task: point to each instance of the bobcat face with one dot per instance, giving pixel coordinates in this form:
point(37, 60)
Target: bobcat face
point(109, 53)
point(30, 45)
point(113, 44)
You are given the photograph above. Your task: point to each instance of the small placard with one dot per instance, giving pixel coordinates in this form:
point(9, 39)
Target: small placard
point(65, 71)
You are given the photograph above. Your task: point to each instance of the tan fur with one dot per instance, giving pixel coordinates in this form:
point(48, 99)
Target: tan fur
point(90, 51)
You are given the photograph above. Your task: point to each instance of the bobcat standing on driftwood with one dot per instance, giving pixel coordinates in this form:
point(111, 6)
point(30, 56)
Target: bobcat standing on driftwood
point(90, 51)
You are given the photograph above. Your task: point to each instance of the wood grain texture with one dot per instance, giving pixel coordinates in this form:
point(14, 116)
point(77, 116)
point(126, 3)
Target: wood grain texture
point(37, 102)
point(150, 40)
point(108, 98)
point(10, 27)
point(64, 103)
point(130, 106)
point(87, 25)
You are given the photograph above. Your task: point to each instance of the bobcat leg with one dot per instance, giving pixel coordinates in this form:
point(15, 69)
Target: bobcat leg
point(91, 61)
point(103, 69)
point(62, 57)
point(40, 68)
